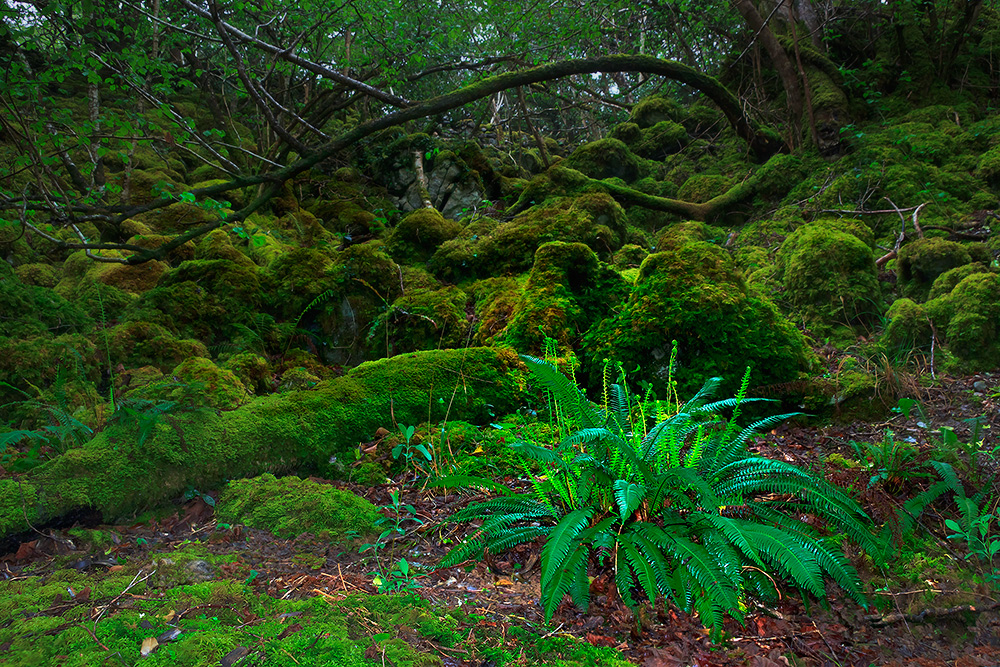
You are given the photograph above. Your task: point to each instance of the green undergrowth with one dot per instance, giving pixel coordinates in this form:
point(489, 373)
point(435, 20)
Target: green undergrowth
point(133, 466)
point(78, 619)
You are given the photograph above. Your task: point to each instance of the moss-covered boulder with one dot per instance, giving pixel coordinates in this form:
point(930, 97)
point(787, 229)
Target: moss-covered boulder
point(829, 274)
point(922, 261)
point(136, 344)
point(30, 366)
point(199, 383)
point(964, 321)
point(661, 140)
point(288, 506)
point(701, 188)
point(298, 431)
point(568, 290)
point(605, 158)
point(425, 318)
point(37, 275)
point(419, 234)
point(202, 299)
point(30, 310)
point(593, 218)
point(696, 295)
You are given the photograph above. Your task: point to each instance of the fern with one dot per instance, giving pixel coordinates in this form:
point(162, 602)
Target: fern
point(672, 492)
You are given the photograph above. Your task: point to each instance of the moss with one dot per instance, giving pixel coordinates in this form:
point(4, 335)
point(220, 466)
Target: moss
point(701, 188)
point(419, 234)
point(252, 370)
point(38, 310)
point(696, 295)
point(630, 256)
point(605, 158)
point(909, 327)
point(922, 261)
point(947, 281)
point(202, 299)
point(30, 366)
point(678, 234)
point(297, 379)
point(459, 258)
point(290, 505)
point(235, 198)
point(988, 167)
point(175, 218)
point(198, 382)
point(37, 275)
point(135, 344)
point(829, 275)
point(134, 279)
point(653, 110)
point(146, 186)
point(495, 300)
point(218, 244)
point(628, 133)
point(568, 290)
point(151, 241)
point(292, 431)
point(296, 278)
point(663, 139)
point(593, 218)
point(423, 319)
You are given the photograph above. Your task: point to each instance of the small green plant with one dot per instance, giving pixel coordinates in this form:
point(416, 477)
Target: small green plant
point(408, 450)
point(670, 499)
point(890, 461)
point(400, 577)
point(979, 531)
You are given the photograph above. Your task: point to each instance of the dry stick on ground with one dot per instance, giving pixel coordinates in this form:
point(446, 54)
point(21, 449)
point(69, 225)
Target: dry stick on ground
point(892, 254)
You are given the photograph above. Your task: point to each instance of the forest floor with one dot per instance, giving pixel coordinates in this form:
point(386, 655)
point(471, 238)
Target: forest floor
point(927, 609)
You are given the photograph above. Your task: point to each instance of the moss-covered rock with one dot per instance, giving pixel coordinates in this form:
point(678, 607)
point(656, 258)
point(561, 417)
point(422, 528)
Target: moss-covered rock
point(37, 275)
point(253, 371)
point(291, 505)
point(829, 274)
point(922, 261)
point(218, 244)
point(605, 158)
point(495, 300)
point(695, 295)
point(661, 140)
point(419, 234)
point(31, 311)
point(654, 110)
point(425, 318)
point(568, 290)
point(947, 281)
point(135, 344)
point(701, 188)
point(30, 366)
point(197, 382)
point(295, 431)
point(593, 218)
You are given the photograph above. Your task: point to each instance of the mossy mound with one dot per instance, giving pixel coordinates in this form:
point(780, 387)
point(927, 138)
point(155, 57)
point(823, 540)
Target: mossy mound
point(291, 505)
point(922, 261)
point(593, 218)
point(135, 344)
point(965, 320)
point(661, 140)
point(423, 319)
point(605, 158)
point(296, 431)
point(29, 366)
point(198, 383)
point(829, 274)
point(700, 188)
point(654, 110)
point(419, 234)
point(37, 275)
point(696, 295)
point(202, 299)
point(568, 290)
point(218, 244)
point(30, 310)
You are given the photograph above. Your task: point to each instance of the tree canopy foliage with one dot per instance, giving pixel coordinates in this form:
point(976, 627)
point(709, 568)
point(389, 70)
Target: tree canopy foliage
point(91, 86)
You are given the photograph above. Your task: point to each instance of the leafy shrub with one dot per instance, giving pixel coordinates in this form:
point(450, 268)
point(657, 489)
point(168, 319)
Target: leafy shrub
point(669, 496)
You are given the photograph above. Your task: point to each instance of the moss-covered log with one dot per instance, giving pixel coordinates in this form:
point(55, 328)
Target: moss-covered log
point(119, 473)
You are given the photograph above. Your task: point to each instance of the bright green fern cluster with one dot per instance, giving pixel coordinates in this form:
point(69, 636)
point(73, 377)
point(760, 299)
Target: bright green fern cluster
point(670, 498)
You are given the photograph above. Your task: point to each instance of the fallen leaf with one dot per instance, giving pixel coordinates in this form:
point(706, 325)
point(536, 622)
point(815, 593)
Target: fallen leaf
point(149, 645)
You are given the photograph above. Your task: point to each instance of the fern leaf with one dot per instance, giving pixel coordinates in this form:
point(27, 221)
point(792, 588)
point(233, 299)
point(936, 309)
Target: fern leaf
point(561, 542)
point(561, 579)
point(629, 496)
point(789, 557)
point(471, 481)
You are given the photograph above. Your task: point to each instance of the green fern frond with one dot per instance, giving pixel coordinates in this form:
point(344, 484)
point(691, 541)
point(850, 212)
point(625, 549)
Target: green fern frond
point(790, 558)
point(560, 543)
point(471, 481)
point(642, 567)
point(561, 578)
point(564, 392)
